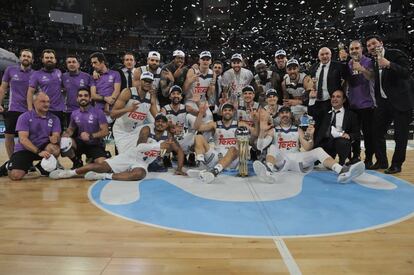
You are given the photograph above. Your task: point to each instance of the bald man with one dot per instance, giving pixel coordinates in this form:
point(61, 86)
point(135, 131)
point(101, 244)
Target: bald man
point(328, 76)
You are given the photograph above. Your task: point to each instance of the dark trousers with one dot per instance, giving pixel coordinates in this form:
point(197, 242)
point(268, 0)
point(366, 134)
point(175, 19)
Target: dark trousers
point(366, 123)
point(61, 117)
point(337, 146)
point(383, 116)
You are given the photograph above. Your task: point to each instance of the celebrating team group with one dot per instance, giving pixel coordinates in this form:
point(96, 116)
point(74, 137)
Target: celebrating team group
point(190, 114)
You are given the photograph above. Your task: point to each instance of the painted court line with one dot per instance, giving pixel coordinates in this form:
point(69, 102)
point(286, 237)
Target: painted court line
point(284, 252)
point(289, 261)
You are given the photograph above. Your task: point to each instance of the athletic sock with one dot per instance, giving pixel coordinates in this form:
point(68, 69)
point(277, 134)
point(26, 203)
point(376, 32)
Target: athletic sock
point(200, 157)
point(270, 166)
point(219, 167)
point(337, 168)
point(73, 172)
point(108, 176)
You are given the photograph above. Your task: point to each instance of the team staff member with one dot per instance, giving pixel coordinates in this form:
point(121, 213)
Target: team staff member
point(48, 80)
point(39, 135)
point(17, 77)
point(394, 97)
point(72, 81)
point(91, 126)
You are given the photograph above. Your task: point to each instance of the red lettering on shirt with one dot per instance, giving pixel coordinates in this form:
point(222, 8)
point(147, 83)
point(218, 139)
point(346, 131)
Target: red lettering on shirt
point(286, 144)
point(137, 115)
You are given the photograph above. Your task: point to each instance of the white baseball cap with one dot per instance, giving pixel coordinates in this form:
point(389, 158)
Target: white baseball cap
point(154, 54)
point(237, 56)
point(178, 53)
point(49, 164)
point(259, 61)
point(292, 62)
point(65, 144)
point(280, 52)
point(205, 54)
point(147, 75)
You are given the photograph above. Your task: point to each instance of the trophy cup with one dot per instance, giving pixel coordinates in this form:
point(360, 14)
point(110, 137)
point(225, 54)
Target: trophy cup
point(378, 50)
point(341, 46)
point(355, 58)
point(305, 121)
point(243, 136)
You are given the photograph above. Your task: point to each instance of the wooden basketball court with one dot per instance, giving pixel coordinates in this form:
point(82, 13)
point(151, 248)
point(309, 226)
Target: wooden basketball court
point(51, 227)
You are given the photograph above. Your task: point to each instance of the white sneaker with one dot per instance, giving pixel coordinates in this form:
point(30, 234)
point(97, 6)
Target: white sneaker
point(91, 175)
point(262, 171)
point(354, 171)
point(61, 174)
point(194, 173)
point(206, 176)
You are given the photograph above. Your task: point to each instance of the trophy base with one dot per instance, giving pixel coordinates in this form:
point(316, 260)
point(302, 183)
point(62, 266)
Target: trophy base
point(242, 175)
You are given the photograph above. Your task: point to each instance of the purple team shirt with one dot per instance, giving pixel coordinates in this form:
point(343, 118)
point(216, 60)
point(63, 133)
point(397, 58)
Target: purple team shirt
point(105, 85)
point(361, 90)
point(88, 121)
point(18, 80)
point(39, 128)
point(51, 84)
point(72, 83)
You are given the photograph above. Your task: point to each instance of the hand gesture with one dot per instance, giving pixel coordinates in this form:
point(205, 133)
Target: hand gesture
point(95, 75)
point(134, 106)
point(313, 93)
point(44, 154)
point(195, 67)
point(311, 130)
point(203, 108)
point(356, 66)
point(196, 98)
point(169, 75)
point(179, 70)
point(383, 63)
point(109, 99)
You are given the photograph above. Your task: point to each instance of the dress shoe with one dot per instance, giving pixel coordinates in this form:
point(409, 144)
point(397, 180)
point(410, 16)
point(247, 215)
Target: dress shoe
point(368, 164)
point(353, 161)
point(378, 165)
point(393, 170)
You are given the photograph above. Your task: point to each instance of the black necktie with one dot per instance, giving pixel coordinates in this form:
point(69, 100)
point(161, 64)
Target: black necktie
point(320, 83)
point(377, 84)
point(129, 78)
point(333, 123)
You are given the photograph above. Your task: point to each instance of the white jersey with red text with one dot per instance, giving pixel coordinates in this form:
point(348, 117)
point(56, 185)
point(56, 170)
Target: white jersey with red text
point(296, 90)
point(126, 128)
point(286, 139)
point(224, 137)
point(200, 86)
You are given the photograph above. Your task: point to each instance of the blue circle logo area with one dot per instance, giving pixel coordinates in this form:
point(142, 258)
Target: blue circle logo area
point(297, 205)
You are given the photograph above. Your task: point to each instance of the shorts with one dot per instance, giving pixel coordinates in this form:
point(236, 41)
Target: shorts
point(124, 141)
point(126, 162)
point(186, 142)
point(61, 116)
point(23, 160)
point(10, 121)
point(92, 151)
point(216, 154)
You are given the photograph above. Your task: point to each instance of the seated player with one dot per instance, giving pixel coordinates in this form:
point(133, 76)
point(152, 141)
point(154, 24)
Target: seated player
point(91, 127)
point(132, 164)
point(283, 154)
point(225, 152)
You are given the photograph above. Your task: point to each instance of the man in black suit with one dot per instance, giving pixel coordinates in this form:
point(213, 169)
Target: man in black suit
point(394, 98)
point(328, 76)
point(127, 71)
point(337, 129)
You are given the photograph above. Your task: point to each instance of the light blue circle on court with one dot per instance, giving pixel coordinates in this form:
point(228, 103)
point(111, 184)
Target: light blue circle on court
point(323, 207)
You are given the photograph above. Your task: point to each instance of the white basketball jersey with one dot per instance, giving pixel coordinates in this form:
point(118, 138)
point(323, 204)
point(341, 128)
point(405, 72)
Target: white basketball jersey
point(200, 86)
point(286, 139)
point(128, 122)
point(151, 155)
point(177, 118)
point(224, 137)
point(295, 89)
point(157, 76)
point(244, 115)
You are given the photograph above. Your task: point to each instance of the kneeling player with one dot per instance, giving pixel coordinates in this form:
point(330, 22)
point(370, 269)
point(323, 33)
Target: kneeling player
point(285, 141)
point(132, 164)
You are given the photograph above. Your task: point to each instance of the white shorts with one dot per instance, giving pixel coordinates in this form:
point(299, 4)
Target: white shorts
point(216, 154)
point(289, 161)
point(186, 142)
point(126, 162)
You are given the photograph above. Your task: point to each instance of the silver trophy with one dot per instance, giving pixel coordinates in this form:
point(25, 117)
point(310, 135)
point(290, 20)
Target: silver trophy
point(305, 121)
point(243, 137)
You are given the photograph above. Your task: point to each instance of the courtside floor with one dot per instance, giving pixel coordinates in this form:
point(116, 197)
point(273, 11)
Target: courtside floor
point(303, 224)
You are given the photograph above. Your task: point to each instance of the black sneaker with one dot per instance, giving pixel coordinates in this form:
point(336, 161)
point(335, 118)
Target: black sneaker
point(191, 160)
point(77, 163)
point(167, 162)
point(4, 170)
point(42, 171)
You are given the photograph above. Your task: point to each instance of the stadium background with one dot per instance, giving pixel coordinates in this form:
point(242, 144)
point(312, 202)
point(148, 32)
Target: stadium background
point(255, 28)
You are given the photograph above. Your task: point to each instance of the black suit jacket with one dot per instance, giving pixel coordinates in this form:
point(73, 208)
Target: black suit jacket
point(336, 73)
point(350, 124)
point(396, 81)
